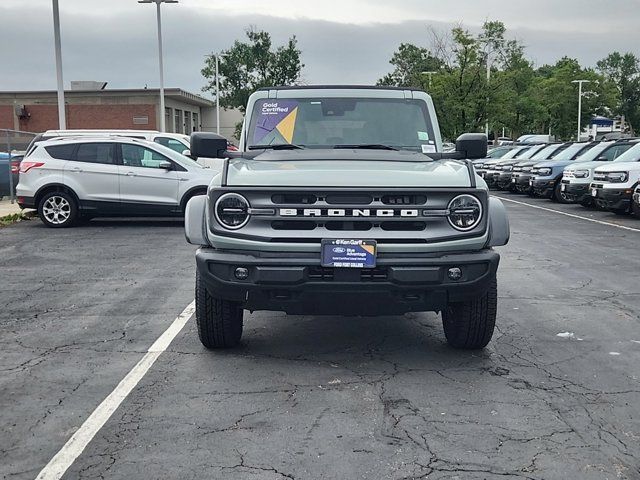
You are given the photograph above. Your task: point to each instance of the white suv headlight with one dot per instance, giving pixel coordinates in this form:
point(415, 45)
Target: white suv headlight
point(544, 171)
point(581, 173)
point(618, 177)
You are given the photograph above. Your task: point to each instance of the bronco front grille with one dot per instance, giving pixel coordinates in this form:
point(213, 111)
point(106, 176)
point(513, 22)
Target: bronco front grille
point(387, 216)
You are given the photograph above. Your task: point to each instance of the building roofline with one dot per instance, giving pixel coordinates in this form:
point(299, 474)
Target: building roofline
point(168, 92)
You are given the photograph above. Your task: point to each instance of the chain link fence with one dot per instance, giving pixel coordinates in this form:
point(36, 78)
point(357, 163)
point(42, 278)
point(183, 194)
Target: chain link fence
point(13, 144)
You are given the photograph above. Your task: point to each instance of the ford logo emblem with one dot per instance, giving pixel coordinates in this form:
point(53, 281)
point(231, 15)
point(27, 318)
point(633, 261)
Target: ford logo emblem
point(339, 250)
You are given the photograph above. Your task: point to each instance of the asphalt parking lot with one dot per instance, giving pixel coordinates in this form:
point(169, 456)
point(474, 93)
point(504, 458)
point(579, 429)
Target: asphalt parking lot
point(556, 395)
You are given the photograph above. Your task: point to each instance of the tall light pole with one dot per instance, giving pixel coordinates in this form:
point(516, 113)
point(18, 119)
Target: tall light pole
point(160, 65)
point(580, 82)
point(218, 56)
point(430, 73)
point(486, 125)
point(62, 117)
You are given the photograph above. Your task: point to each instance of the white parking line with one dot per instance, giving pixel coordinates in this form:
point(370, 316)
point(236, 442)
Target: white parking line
point(569, 214)
point(71, 450)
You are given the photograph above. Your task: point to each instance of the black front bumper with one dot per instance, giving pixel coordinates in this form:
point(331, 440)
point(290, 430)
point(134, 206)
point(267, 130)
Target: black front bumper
point(490, 178)
point(297, 284)
point(504, 181)
point(521, 184)
point(543, 187)
point(612, 198)
point(575, 192)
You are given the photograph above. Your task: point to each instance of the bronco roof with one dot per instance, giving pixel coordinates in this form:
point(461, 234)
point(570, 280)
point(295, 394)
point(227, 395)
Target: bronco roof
point(337, 87)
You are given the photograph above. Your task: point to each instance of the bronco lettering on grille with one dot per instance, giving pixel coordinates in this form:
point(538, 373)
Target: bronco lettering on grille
point(347, 212)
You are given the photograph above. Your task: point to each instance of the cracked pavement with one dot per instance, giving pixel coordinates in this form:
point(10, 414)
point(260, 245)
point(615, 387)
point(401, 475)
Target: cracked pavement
point(309, 397)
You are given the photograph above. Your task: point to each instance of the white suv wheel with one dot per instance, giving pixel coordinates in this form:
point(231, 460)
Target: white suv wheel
point(57, 210)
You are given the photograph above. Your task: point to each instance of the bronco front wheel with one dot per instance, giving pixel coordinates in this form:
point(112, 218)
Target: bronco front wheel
point(470, 324)
point(219, 321)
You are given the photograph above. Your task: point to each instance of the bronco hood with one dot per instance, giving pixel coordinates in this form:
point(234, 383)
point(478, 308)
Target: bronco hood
point(346, 168)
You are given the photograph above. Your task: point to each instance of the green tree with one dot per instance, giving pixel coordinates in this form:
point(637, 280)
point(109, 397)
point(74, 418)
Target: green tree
point(411, 63)
point(622, 71)
point(559, 96)
point(250, 65)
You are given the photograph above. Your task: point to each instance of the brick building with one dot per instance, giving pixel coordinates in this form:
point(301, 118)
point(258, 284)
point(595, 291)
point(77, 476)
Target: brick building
point(91, 107)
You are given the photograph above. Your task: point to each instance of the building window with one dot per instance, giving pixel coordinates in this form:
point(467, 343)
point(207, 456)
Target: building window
point(196, 125)
point(178, 122)
point(167, 117)
point(187, 122)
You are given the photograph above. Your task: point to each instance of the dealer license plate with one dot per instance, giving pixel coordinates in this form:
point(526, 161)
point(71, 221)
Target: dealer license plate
point(594, 192)
point(563, 187)
point(344, 253)
point(531, 183)
point(513, 180)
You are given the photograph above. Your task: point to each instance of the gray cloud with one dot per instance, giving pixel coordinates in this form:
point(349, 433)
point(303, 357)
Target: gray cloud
point(119, 46)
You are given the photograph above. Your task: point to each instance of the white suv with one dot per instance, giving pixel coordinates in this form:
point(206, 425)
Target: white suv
point(613, 184)
point(68, 179)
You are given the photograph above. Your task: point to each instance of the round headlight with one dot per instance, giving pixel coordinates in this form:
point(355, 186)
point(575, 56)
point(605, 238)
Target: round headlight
point(232, 211)
point(581, 173)
point(465, 212)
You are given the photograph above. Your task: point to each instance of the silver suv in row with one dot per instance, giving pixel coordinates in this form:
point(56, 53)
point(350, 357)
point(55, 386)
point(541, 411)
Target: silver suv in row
point(70, 179)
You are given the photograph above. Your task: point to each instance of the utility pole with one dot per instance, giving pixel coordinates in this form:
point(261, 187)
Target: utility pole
point(486, 126)
point(580, 82)
point(217, 56)
point(160, 64)
point(62, 117)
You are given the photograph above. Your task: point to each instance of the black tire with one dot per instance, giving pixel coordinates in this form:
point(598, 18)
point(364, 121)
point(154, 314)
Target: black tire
point(620, 211)
point(219, 321)
point(58, 210)
point(635, 209)
point(556, 196)
point(470, 324)
point(588, 202)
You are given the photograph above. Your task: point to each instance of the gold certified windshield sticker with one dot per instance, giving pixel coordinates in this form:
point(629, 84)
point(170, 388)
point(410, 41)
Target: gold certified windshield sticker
point(286, 126)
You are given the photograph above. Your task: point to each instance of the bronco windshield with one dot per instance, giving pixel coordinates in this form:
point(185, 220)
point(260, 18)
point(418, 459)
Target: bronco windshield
point(330, 122)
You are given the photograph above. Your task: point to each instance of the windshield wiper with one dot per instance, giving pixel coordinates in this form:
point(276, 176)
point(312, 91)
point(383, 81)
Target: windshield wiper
point(277, 146)
point(368, 146)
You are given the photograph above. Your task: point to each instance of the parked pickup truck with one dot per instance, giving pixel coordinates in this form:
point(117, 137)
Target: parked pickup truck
point(340, 200)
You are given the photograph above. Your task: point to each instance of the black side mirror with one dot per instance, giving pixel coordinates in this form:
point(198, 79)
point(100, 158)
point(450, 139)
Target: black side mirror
point(166, 165)
point(208, 145)
point(472, 145)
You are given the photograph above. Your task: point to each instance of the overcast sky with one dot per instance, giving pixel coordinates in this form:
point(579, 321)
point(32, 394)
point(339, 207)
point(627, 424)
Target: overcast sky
point(343, 41)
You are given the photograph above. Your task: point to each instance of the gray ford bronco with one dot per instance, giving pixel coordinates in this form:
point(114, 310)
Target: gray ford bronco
point(341, 201)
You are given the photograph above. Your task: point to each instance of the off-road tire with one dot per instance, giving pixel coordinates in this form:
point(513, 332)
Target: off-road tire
point(556, 196)
point(635, 209)
point(620, 211)
point(68, 209)
point(469, 325)
point(588, 203)
point(219, 321)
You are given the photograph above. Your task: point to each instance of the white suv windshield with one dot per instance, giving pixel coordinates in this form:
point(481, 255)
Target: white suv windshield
point(330, 122)
point(631, 155)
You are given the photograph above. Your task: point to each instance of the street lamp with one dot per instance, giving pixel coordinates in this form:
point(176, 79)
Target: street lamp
point(62, 118)
point(580, 82)
point(430, 73)
point(486, 125)
point(158, 2)
point(217, 57)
